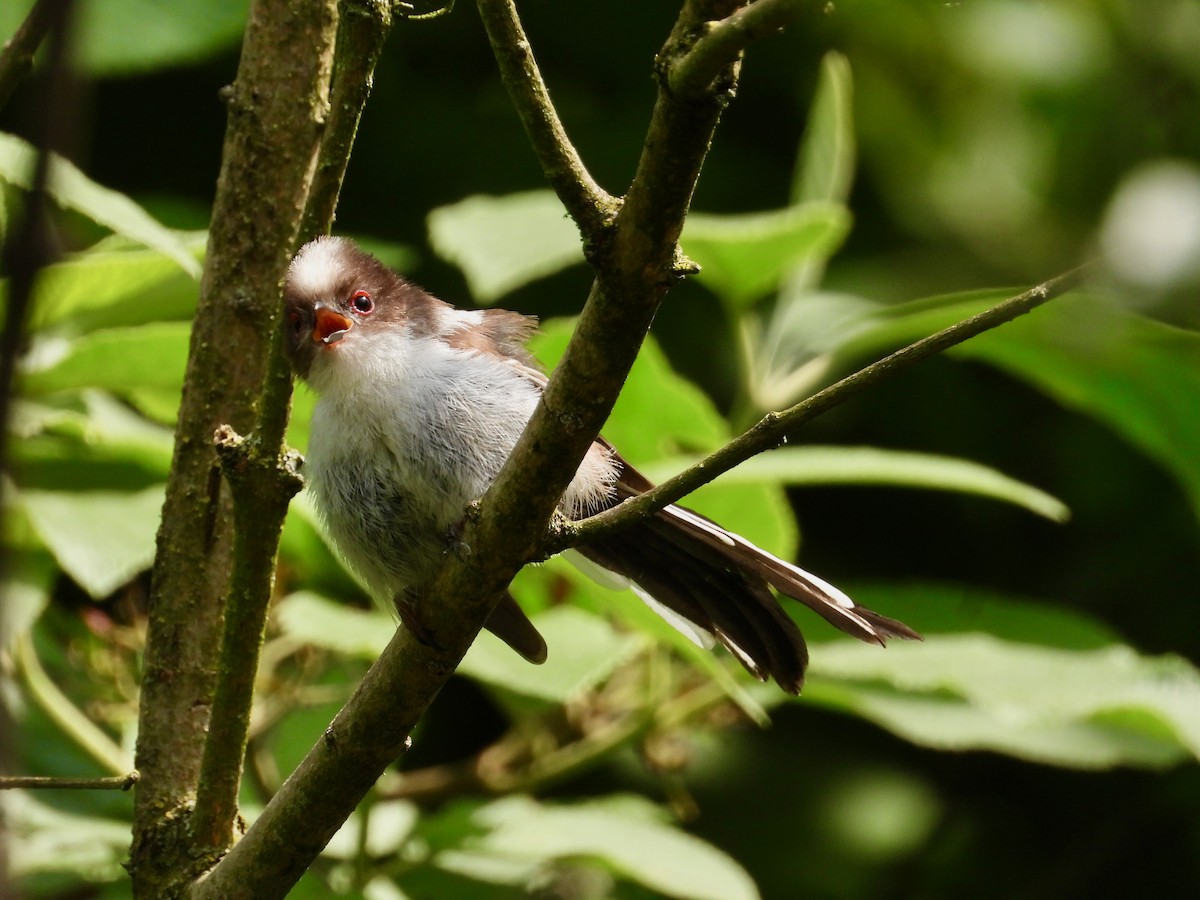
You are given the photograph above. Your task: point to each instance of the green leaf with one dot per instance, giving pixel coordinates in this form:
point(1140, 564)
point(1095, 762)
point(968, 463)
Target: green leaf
point(87, 442)
point(1138, 376)
point(816, 465)
point(44, 840)
point(102, 539)
point(309, 617)
point(584, 651)
point(825, 164)
point(744, 257)
point(128, 37)
point(502, 243)
point(658, 413)
point(73, 190)
point(626, 833)
point(937, 608)
point(121, 360)
point(1082, 708)
point(110, 288)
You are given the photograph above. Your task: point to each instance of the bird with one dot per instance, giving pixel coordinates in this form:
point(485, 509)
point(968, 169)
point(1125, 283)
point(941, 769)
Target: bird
point(420, 403)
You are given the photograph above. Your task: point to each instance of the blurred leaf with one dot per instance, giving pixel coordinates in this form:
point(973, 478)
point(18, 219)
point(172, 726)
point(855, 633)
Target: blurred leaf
point(502, 243)
point(584, 651)
point(625, 832)
point(825, 164)
point(1138, 376)
point(88, 442)
point(128, 37)
point(744, 257)
point(105, 289)
point(73, 190)
point(120, 360)
point(321, 622)
point(1081, 708)
point(815, 465)
point(102, 539)
point(23, 603)
point(45, 840)
point(389, 823)
point(782, 349)
point(658, 415)
point(938, 608)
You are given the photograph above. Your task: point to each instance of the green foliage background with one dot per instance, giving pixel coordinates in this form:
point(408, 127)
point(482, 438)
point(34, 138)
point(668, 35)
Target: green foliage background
point(1029, 502)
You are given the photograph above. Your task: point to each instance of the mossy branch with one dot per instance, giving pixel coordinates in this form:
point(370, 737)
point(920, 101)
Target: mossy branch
point(277, 108)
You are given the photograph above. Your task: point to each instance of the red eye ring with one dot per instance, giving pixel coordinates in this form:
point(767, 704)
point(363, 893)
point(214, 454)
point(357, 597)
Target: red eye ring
point(362, 303)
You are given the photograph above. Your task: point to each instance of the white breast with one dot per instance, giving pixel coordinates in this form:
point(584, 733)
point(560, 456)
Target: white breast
point(406, 433)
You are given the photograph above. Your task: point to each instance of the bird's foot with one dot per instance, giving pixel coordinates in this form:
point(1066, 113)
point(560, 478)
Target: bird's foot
point(406, 609)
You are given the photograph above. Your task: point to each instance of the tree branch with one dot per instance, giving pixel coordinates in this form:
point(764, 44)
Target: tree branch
point(363, 27)
point(46, 782)
point(722, 43)
point(501, 534)
point(589, 205)
point(16, 60)
point(262, 481)
point(771, 430)
point(276, 110)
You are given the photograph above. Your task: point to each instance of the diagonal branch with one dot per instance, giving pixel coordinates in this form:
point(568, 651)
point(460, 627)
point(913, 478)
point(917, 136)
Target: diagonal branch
point(16, 59)
point(771, 430)
point(589, 205)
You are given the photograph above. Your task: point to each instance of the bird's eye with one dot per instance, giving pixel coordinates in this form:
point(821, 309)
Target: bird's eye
point(295, 322)
point(362, 302)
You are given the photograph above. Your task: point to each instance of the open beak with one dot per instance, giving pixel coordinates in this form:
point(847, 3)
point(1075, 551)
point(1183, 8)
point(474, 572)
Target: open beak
point(329, 327)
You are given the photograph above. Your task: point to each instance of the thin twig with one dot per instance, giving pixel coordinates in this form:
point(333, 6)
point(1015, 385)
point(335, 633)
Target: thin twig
point(588, 204)
point(47, 782)
point(771, 430)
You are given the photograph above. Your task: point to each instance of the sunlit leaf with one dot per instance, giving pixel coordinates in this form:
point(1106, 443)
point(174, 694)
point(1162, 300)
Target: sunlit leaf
point(825, 164)
point(101, 539)
point(660, 414)
point(71, 189)
point(744, 257)
point(105, 289)
point(1081, 708)
point(502, 243)
point(120, 360)
point(625, 832)
point(44, 840)
point(584, 650)
point(321, 622)
point(943, 608)
point(814, 465)
point(88, 442)
point(127, 37)
point(1138, 376)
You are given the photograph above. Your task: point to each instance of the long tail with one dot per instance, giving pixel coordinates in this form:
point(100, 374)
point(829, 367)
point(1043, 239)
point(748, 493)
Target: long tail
point(701, 577)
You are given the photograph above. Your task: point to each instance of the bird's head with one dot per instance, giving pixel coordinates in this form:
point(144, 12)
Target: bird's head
point(337, 297)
